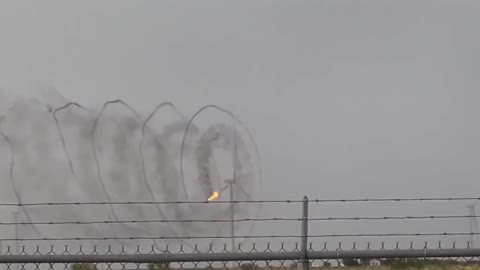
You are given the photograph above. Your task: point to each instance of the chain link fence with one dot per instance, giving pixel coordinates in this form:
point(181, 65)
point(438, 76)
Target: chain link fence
point(302, 249)
point(245, 257)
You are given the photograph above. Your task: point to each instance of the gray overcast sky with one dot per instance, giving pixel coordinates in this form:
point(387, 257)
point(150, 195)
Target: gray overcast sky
point(345, 98)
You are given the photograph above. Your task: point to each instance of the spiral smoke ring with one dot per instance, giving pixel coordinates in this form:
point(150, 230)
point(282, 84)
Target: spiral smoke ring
point(70, 153)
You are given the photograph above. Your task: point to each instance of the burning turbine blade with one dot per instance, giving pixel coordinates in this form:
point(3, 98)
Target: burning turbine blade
point(223, 189)
point(213, 196)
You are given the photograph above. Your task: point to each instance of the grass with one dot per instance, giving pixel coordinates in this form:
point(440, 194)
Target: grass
point(399, 264)
point(385, 267)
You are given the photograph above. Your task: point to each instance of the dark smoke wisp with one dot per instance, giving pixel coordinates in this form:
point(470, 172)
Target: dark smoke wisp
point(195, 115)
point(95, 155)
point(12, 181)
point(217, 136)
point(96, 159)
point(62, 138)
point(109, 156)
point(142, 156)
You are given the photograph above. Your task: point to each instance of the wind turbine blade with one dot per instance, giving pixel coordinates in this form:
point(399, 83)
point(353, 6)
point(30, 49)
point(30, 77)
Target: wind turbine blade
point(238, 187)
point(223, 189)
point(234, 159)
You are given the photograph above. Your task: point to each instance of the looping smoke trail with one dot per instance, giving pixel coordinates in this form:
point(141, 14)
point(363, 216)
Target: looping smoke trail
point(95, 155)
point(164, 180)
point(12, 167)
point(234, 117)
point(12, 181)
point(144, 126)
point(214, 133)
point(166, 138)
point(142, 157)
point(62, 138)
point(97, 162)
point(214, 136)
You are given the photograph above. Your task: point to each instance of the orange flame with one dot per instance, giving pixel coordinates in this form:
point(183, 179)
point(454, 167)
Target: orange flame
point(213, 197)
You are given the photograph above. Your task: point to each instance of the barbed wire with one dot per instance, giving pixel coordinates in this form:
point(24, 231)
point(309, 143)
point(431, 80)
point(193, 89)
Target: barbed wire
point(425, 199)
point(146, 202)
point(149, 238)
point(392, 218)
point(396, 199)
point(237, 220)
point(395, 234)
point(149, 221)
point(240, 236)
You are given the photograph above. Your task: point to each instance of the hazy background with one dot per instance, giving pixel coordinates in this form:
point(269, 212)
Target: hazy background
point(345, 98)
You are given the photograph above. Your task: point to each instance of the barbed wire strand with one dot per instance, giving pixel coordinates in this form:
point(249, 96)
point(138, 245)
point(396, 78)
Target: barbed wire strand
point(235, 220)
point(393, 218)
point(247, 220)
point(395, 199)
point(395, 234)
point(248, 201)
point(144, 202)
point(150, 221)
point(241, 236)
point(147, 238)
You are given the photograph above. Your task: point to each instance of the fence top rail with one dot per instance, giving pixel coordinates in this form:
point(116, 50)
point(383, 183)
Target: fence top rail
point(248, 256)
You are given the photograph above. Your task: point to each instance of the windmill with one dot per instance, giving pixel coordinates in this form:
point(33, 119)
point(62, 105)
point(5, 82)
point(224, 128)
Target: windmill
point(211, 150)
point(473, 223)
point(231, 185)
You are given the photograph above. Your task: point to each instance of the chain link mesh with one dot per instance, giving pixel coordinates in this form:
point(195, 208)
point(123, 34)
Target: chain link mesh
point(430, 256)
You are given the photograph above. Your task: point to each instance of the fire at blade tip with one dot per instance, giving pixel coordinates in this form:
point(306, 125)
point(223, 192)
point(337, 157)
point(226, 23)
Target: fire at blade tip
point(213, 197)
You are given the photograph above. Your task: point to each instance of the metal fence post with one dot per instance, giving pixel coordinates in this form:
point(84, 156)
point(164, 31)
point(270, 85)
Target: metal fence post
point(305, 263)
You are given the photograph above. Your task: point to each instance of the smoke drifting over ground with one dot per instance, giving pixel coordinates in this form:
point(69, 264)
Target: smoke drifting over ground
point(52, 150)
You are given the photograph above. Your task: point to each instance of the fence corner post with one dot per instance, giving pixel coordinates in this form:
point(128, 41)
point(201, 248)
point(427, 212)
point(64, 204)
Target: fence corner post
point(304, 262)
